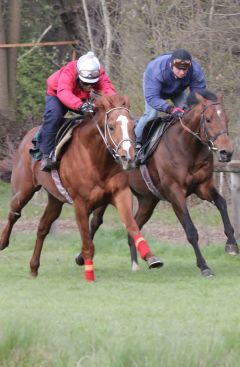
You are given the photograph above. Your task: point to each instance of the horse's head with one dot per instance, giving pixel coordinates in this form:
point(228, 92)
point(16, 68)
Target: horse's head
point(213, 124)
point(116, 127)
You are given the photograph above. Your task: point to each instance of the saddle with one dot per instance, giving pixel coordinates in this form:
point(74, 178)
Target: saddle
point(152, 135)
point(64, 134)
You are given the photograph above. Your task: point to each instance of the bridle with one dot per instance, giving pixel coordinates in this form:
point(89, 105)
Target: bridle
point(208, 139)
point(106, 135)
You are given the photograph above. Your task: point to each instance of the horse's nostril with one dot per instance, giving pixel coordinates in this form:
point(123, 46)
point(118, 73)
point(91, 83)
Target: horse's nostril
point(225, 155)
point(124, 158)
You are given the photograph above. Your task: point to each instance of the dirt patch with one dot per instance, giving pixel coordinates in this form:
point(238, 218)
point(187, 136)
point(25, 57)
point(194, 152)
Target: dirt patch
point(169, 233)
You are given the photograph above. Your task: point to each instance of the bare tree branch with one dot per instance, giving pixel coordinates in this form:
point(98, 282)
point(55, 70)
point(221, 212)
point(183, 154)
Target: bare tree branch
point(88, 24)
point(33, 48)
point(108, 33)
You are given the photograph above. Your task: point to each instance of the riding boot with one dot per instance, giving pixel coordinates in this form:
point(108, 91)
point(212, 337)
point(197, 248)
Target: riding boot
point(139, 153)
point(138, 146)
point(47, 163)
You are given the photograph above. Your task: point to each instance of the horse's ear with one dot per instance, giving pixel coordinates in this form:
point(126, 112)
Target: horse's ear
point(200, 98)
point(126, 101)
point(220, 96)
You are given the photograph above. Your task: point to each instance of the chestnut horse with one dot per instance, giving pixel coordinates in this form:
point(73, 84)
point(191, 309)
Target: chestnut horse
point(181, 165)
point(92, 171)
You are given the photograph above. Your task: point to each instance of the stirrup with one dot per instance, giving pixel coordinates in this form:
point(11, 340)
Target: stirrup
point(47, 164)
point(138, 146)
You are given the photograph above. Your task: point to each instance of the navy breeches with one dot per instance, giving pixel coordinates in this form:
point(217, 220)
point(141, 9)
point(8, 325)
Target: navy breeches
point(52, 120)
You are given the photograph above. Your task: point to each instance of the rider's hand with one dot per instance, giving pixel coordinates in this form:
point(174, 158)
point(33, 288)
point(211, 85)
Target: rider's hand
point(177, 111)
point(86, 107)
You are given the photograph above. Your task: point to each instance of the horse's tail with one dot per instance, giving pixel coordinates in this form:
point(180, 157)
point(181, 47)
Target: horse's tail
point(6, 164)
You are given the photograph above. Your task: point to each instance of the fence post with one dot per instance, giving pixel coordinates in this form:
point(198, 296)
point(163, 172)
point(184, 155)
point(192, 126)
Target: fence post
point(235, 193)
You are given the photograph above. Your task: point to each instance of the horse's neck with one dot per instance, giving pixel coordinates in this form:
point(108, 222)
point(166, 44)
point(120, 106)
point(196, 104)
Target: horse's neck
point(92, 142)
point(184, 139)
point(192, 120)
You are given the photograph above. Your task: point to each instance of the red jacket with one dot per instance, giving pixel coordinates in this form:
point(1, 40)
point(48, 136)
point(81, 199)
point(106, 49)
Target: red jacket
point(63, 84)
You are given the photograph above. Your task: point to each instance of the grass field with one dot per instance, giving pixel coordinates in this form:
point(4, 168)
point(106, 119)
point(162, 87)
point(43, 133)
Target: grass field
point(163, 317)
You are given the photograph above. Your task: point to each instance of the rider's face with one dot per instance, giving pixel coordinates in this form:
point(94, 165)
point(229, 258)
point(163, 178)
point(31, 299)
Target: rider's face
point(179, 73)
point(87, 87)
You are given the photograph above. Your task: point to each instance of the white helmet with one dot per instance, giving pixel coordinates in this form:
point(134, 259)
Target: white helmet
point(88, 68)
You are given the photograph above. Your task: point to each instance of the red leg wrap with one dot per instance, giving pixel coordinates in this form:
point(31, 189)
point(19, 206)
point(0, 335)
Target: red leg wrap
point(89, 273)
point(141, 245)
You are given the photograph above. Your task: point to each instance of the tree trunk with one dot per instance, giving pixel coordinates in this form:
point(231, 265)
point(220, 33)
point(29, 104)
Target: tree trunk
point(3, 67)
point(9, 33)
point(13, 36)
point(108, 33)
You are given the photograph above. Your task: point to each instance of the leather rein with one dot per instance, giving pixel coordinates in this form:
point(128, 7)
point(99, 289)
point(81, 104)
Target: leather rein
point(209, 139)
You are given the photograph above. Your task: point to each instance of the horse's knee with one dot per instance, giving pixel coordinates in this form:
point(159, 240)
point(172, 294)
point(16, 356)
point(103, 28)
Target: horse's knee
point(13, 216)
point(43, 231)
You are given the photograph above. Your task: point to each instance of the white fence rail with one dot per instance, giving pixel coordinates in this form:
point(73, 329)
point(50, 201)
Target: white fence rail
point(233, 168)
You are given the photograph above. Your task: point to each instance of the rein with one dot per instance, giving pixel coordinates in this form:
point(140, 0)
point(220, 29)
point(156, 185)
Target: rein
point(209, 139)
point(107, 132)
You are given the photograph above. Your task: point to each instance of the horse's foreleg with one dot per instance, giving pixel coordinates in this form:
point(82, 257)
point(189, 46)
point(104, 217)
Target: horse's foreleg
point(19, 200)
point(231, 246)
point(87, 252)
point(178, 202)
point(51, 213)
point(123, 202)
point(211, 194)
point(146, 206)
point(95, 223)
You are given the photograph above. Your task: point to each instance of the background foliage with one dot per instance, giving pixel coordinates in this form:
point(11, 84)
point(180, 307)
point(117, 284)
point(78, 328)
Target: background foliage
point(126, 35)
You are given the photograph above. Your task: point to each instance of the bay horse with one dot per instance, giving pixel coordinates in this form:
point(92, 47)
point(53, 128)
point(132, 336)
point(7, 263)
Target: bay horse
point(181, 165)
point(92, 171)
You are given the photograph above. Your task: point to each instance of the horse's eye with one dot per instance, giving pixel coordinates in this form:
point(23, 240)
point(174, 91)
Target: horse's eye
point(111, 127)
point(208, 120)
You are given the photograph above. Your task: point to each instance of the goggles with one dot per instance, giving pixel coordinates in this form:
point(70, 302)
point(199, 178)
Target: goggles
point(88, 83)
point(182, 64)
point(89, 74)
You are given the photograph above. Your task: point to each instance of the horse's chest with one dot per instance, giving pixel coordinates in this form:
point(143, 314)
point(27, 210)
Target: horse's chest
point(199, 174)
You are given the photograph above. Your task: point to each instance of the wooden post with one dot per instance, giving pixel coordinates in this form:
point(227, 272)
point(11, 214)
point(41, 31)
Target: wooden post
point(221, 183)
point(235, 194)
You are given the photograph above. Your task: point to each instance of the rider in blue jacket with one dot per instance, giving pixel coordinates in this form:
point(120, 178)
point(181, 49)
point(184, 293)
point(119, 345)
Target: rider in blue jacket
point(167, 77)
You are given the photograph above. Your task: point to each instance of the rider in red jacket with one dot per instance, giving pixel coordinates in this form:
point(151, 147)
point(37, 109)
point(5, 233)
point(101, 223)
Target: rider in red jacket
point(70, 88)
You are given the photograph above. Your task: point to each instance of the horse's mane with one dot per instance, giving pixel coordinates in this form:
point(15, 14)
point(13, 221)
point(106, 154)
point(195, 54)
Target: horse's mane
point(112, 101)
point(205, 93)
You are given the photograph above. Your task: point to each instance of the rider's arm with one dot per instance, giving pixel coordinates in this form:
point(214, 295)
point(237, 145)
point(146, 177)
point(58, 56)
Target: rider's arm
point(66, 85)
point(152, 91)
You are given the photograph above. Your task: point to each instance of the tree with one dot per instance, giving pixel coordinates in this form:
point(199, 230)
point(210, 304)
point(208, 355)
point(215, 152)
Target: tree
point(10, 17)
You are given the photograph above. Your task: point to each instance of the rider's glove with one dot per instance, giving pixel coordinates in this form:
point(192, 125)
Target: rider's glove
point(86, 107)
point(176, 111)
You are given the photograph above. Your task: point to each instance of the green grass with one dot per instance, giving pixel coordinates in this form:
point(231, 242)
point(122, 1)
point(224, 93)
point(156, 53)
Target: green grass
point(163, 317)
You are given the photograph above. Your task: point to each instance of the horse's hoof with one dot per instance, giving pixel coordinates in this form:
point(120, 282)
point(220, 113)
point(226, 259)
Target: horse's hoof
point(232, 250)
point(135, 266)
point(207, 273)
point(34, 273)
point(154, 262)
point(79, 260)
point(3, 246)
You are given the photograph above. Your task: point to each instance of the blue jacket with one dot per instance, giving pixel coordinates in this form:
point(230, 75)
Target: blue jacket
point(160, 82)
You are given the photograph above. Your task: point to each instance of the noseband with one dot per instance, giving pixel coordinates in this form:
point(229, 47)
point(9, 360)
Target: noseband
point(106, 135)
point(209, 139)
